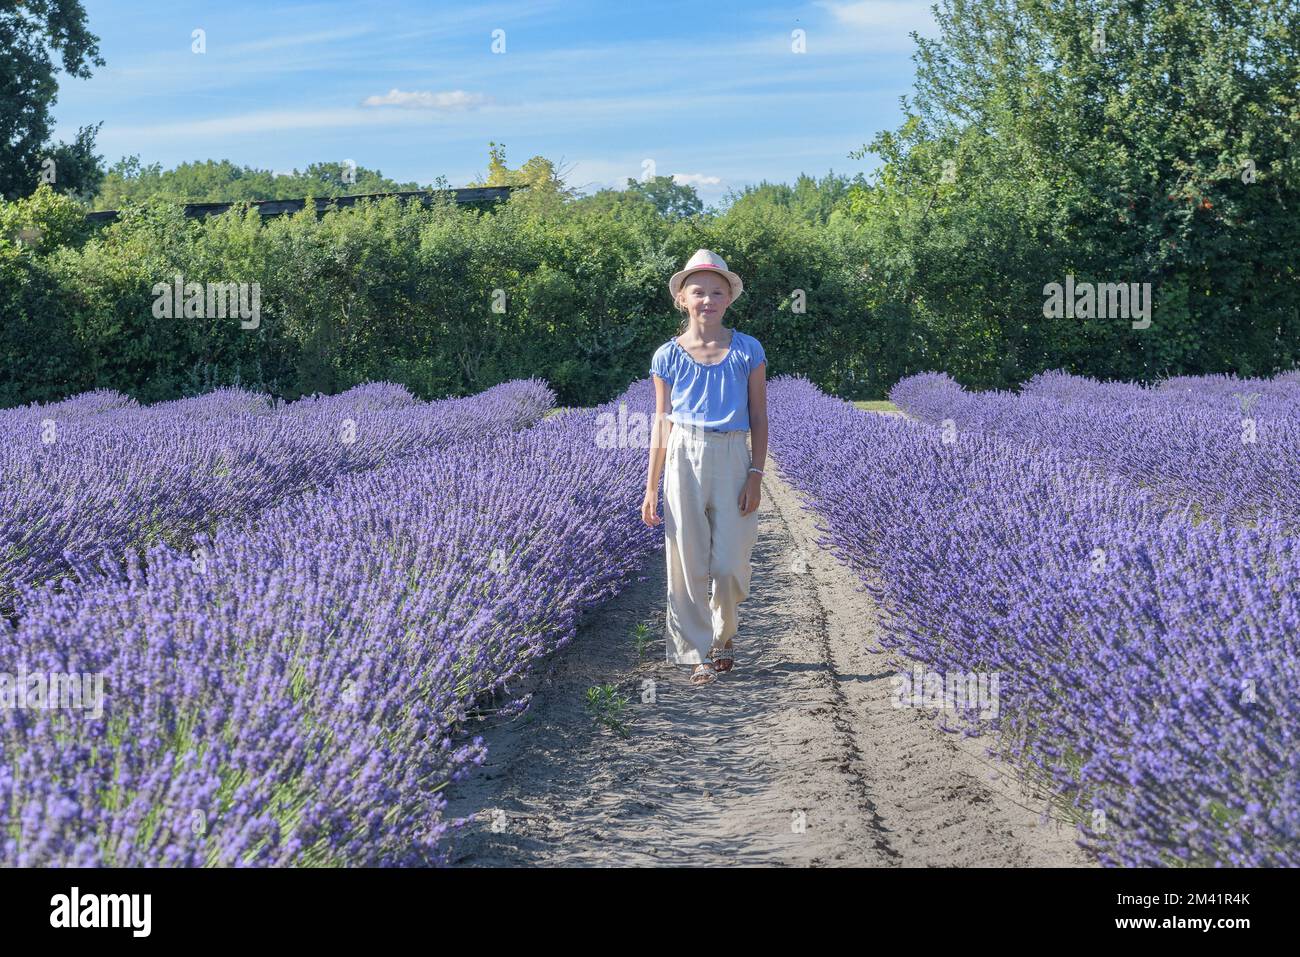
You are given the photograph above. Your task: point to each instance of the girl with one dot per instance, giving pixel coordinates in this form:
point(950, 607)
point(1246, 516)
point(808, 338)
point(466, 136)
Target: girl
point(718, 382)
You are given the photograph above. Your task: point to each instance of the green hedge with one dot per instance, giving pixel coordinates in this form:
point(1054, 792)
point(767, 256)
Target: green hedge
point(389, 291)
point(401, 292)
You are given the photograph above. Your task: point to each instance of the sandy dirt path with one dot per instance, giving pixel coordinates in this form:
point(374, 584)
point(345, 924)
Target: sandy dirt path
point(796, 757)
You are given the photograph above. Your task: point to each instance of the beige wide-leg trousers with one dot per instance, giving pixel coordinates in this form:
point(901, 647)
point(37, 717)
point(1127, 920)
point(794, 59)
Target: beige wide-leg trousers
point(705, 536)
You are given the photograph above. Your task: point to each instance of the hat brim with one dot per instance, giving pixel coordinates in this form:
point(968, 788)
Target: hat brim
point(675, 283)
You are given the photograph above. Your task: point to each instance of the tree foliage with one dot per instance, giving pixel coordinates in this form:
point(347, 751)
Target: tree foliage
point(1162, 150)
point(30, 30)
point(221, 181)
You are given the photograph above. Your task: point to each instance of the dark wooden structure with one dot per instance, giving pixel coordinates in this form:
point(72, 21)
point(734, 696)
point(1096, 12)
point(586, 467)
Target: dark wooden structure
point(278, 207)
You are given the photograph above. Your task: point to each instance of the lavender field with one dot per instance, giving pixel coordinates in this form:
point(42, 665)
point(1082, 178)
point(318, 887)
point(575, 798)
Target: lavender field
point(292, 609)
point(295, 608)
point(1125, 559)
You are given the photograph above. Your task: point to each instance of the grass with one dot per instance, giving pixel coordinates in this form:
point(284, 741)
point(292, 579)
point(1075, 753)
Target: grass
point(881, 405)
point(641, 638)
point(607, 708)
point(874, 405)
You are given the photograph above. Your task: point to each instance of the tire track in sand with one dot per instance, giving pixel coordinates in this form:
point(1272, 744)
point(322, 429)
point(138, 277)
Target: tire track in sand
point(802, 730)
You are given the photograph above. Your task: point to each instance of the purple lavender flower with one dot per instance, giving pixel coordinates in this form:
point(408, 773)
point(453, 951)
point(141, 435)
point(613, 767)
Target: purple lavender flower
point(1116, 557)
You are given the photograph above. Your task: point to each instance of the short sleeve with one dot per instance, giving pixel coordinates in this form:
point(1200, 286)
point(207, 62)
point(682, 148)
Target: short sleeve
point(659, 364)
point(756, 355)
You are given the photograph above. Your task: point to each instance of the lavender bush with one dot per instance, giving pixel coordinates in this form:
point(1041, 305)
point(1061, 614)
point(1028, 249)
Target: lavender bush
point(220, 402)
point(1227, 448)
point(77, 488)
point(291, 695)
point(1147, 659)
point(82, 406)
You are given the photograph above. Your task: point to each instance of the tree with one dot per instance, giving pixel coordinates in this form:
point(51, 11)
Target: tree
point(1118, 142)
point(29, 31)
point(670, 198)
point(808, 200)
point(546, 192)
point(221, 181)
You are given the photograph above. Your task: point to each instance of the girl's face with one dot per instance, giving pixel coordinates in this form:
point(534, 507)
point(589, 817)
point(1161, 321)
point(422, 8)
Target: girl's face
point(706, 295)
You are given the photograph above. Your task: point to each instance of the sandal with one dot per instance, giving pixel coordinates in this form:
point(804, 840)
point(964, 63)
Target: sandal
point(724, 657)
point(703, 673)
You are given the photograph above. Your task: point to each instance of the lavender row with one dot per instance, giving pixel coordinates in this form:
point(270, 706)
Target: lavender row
point(105, 478)
point(1227, 449)
point(290, 693)
point(1146, 665)
point(108, 407)
point(78, 407)
point(1205, 390)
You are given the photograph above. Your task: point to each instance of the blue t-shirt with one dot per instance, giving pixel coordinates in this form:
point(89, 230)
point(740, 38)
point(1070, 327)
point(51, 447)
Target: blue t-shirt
point(712, 396)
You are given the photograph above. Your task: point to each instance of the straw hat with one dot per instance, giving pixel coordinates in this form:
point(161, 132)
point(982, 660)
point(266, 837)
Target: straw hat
point(704, 259)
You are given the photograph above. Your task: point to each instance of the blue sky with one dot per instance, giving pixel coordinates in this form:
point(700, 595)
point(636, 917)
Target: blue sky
point(708, 93)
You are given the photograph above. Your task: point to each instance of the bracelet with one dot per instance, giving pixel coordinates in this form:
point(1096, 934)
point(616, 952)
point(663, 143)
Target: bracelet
point(759, 471)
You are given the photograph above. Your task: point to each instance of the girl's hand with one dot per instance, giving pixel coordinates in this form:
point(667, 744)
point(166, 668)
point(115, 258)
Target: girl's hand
point(650, 507)
point(751, 493)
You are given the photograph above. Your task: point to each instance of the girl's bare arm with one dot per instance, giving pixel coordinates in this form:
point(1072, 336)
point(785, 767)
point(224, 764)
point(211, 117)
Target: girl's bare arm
point(659, 432)
point(758, 416)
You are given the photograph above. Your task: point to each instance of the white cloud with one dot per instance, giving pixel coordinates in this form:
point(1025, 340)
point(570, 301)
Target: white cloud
point(425, 100)
point(696, 179)
point(589, 175)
